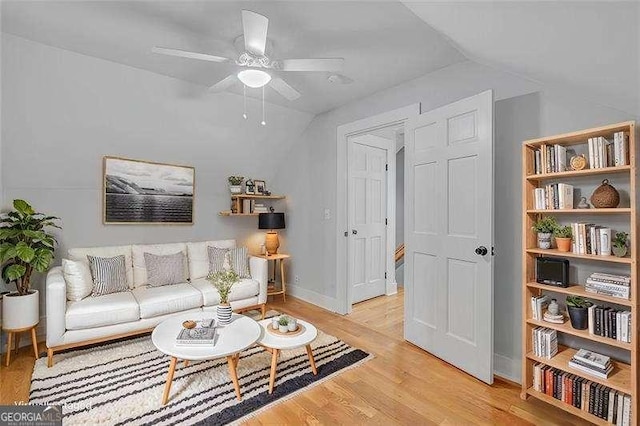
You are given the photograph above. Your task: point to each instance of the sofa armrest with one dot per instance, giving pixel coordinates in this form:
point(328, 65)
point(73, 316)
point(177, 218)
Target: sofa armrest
point(56, 300)
point(259, 271)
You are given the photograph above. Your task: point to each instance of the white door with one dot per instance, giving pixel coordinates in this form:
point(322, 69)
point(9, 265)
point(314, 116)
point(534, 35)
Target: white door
point(367, 208)
point(449, 233)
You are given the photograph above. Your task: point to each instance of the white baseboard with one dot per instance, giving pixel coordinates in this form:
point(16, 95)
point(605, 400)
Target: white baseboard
point(507, 368)
point(326, 302)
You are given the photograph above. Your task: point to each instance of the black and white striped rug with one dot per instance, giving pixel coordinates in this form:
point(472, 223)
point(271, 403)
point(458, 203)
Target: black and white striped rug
point(122, 383)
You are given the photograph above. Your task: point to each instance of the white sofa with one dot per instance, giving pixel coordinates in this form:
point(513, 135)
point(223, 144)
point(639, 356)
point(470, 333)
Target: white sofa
point(112, 316)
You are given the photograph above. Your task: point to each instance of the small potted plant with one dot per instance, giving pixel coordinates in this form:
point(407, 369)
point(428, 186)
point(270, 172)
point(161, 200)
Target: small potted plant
point(283, 324)
point(577, 307)
point(563, 236)
point(223, 281)
point(545, 227)
point(293, 324)
point(25, 247)
point(619, 246)
point(235, 184)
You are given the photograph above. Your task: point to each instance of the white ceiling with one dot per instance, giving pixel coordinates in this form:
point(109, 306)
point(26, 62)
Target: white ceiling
point(590, 48)
point(383, 43)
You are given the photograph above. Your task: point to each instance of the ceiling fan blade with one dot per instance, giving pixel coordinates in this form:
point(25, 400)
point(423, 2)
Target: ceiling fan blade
point(327, 64)
point(190, 55)
point(224, 83)
point(280, 86)
point(255, 28)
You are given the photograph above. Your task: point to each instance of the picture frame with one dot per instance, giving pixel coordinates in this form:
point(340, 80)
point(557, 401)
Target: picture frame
point(260, 186)
point(140, 192)
point(249, 187)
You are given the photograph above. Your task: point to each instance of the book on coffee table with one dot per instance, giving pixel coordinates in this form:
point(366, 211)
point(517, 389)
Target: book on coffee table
point(204, 333)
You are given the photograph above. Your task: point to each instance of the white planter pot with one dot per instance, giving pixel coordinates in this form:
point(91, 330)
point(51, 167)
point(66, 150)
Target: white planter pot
point(20, 312)
point(544, 240)
point(235, 189)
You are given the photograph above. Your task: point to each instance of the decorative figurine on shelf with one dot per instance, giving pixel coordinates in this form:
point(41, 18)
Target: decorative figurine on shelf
point(553, 313)
point(578, 162)
point(583, 203)
point(250, 187)
point(605, 196)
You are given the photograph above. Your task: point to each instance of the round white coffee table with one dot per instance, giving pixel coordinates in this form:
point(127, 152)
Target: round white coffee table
point(231, 339)
point(275, 343)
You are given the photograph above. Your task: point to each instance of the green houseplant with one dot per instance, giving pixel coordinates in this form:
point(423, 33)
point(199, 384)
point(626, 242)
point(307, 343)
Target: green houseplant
point(577, 307)
point(563, 236)
point(235, 184)
point(545, 228)
point(223, 281)
point(283, 324)
point(619, 244)
point(26, 247)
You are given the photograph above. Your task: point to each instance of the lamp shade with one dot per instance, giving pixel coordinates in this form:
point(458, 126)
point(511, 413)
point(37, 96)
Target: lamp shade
point(271, 221)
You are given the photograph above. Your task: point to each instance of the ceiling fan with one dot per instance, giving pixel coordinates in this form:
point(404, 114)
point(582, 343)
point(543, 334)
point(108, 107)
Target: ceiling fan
point(256, 65)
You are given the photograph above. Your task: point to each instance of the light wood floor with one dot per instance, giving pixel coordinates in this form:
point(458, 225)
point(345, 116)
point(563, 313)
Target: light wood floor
point(402, 385)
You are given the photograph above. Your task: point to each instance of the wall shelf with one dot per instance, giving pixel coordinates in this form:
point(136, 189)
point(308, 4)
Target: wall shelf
point(239, 204)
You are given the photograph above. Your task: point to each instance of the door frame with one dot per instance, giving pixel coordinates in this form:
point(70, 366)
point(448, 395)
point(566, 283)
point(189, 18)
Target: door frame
point(344, 297)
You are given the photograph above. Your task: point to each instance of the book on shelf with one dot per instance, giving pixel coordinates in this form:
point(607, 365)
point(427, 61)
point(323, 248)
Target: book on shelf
point(556, 196)
point(601, 152)
point(545, 342)
point(592, 358)
point(204, 333)
point(608, 322)
point(550, 159)
point(620, 149)
point(539, 305)
point(609, 284)
point(589, 238)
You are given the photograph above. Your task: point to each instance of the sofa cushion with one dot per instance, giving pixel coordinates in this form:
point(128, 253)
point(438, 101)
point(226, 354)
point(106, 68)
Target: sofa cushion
point(82, 253)
point(77, 278)
point(109, 275)
point(155, 301)
point(166, 269)
point(115, 308)
point(139, 265)
point(244, 289)
point(199, 257)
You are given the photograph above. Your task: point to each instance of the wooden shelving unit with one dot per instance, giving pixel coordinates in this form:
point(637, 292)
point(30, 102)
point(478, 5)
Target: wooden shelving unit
point(237, 200)
point(624, 377)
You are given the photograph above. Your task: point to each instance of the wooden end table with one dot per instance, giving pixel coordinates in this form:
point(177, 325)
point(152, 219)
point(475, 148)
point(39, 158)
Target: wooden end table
point(272, 289)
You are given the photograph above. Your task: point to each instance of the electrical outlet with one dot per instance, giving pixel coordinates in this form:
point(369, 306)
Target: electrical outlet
point(297, 279)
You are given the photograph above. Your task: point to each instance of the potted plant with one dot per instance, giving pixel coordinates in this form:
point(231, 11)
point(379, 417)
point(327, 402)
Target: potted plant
point(577, 307)
point(283, 324)
point(563, 236)
point(25, 247)
point(223, 281)
point(619, 246)
point(545, 227)
point(235, 184)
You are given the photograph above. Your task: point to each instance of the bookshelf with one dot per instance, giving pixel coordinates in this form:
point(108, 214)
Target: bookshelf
point(237, 201)
point(624, 377)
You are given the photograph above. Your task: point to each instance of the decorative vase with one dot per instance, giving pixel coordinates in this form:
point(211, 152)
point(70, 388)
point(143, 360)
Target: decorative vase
point(579, 318)
point(20, 312)
point(293, 324)
point(619, 251)
point(605, 196)
point(564, 244)
point(235, 189)
point(274, 323)
point(283, 328)
point(544, 240)
point(224, 313)
point(553, 307)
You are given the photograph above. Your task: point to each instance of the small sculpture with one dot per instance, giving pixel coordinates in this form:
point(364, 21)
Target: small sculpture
point(553, 314)
point(583, 203)
point(578, 162)
point(605, 196)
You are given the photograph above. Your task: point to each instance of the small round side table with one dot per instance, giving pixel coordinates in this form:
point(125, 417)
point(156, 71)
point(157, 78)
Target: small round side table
point(15, 334)
point(272, 290)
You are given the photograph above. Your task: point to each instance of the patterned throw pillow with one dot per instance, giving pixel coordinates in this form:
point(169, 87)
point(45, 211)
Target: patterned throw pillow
point(237, 259)
point(165, 270)
point(109, 275)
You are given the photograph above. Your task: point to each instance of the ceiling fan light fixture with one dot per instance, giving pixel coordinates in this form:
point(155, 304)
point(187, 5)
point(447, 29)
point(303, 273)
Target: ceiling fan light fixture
point(254, 78)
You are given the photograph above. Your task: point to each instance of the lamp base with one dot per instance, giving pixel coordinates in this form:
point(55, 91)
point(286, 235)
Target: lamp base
point(272, 243)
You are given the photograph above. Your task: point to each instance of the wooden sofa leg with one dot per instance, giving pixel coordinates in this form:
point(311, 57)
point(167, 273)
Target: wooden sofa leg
point(263, 309)
point(49, 357)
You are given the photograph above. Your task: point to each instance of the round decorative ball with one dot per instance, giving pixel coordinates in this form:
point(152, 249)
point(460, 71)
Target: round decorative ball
point(605, 196)
point(189, 324)
point(578, 162)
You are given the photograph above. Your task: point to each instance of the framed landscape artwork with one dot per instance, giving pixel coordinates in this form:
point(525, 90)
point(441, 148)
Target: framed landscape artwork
point(143, 192)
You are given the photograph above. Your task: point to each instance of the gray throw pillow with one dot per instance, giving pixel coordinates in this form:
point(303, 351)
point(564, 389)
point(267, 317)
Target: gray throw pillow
point(109, 275)
point(238, 259)
point(165, 270)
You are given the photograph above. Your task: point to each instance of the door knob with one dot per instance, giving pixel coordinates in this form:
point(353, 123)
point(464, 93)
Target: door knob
point(354, 232)
point(481, 251)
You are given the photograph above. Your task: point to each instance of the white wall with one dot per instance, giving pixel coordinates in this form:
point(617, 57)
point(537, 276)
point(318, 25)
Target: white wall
point(63, 111)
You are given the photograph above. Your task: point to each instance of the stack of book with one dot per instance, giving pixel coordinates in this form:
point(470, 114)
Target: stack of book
point(620, 149)
point(260, 208)
point(592, 363)
point(588, 238)
point(539, 306)
point(204, 333)
point(550, 159)
point(601, 152)
point(594, 398)
point(545, 342)
point(611, 323)
point(556, 196)
point(609, 284)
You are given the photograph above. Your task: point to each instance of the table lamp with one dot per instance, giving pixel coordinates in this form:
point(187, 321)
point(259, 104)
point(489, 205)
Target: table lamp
point(271, 221)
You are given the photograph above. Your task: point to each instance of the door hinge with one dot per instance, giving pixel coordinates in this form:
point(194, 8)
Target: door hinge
point(493, 251)
point(346, 233)
point(385, 275)
point(386, 221)
point(386, 167)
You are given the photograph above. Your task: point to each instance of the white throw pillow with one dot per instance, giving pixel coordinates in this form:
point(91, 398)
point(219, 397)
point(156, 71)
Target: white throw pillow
point(77, 275)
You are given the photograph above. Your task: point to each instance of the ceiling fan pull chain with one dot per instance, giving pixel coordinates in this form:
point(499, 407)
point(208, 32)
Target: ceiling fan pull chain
point(244, 101)
point(264, 123)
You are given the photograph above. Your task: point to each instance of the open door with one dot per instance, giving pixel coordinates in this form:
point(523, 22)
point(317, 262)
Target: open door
point(449, 233)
